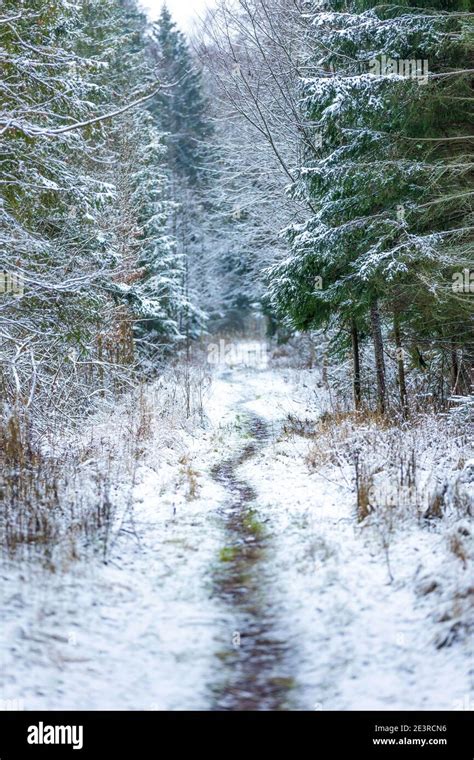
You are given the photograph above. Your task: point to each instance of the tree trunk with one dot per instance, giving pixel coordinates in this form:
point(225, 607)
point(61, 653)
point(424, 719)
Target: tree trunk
point(401, 365)
point(356, 384)
point(325, 369)
point(379, 358)
point(454, 369)
point(100, 363)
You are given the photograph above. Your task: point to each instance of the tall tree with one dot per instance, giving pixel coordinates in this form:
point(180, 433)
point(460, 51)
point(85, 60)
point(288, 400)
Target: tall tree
point(78, 230)
point(182, 110)
point(391, 181)
point(182, 113)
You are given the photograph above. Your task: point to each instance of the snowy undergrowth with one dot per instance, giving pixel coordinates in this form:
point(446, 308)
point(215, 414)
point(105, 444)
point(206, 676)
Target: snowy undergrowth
point(136, 627)
point(135, 632)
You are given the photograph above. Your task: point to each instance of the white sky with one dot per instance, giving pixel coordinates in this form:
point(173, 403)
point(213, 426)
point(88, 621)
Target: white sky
point(184, 12)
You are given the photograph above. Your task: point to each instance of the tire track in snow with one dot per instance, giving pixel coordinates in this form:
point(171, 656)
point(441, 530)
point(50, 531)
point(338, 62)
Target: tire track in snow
point(254, 671)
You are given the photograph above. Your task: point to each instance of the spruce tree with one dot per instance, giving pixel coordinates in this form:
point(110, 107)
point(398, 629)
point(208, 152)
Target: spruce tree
point(181, 109)
point(391, 180)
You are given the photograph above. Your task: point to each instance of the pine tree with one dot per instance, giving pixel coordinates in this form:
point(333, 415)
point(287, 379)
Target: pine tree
point(82, 209)
point(149, 271)
point(181, 110)
point(48, 198)
point(390, 182)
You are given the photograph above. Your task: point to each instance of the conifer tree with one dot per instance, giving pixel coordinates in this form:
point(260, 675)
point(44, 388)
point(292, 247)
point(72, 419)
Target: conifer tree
point(181, 110)
point(391, 181)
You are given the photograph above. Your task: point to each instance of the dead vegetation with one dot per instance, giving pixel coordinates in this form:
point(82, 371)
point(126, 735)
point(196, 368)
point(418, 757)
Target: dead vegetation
point(63, 494)
point(189, 476)
point(405, 476)
point(412, 467)
point(52, 502)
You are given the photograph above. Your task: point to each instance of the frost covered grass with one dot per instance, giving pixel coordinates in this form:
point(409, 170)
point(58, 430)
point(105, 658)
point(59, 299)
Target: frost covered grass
point(137, 631)
point(53, 499)
point(420, 468)
point(65, 494)
point(417, 475)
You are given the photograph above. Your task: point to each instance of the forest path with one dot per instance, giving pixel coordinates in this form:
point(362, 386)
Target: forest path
point(329, 618)
point(257, 672)
point(155, 627)
point(257, 591)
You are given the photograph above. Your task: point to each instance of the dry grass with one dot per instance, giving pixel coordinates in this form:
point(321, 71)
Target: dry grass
point(364, 489)
point(355, 418)
point(457, 547)
point(59, 493)
point(406, 474)
point(318, 457)
point(398, 468)
point(190, 477)
point(436, 505)
point(43, 505)
point(144, 426)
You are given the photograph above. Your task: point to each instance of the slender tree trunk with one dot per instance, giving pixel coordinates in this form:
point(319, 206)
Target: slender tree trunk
point(379, 358)
point(356, 384)
point(441, 382)
point(401, 364)
point(100, 363)
point(454, 368)
point(186, 316)
point(325, 369)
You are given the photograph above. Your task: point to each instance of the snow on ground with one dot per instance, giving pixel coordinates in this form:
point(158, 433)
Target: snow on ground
point(364, 643)
point(136, 633)
point(142, 631)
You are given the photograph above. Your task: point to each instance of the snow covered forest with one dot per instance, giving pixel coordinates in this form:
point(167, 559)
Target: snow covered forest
point(237, 356)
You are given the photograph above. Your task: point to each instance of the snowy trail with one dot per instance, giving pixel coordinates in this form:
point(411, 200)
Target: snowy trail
point(257, 674)
point(364, 638)
point(352, 632)
point(261, 593)
point(151, 629)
